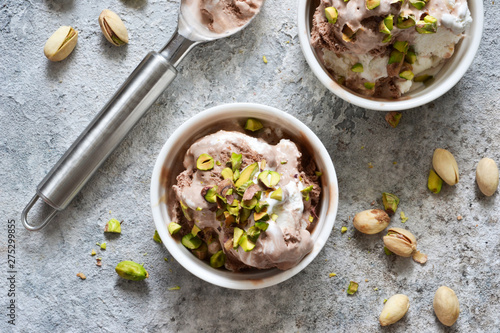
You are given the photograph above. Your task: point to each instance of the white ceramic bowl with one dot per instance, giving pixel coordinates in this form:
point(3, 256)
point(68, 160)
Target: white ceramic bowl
point(172, 154)
point(448, 76)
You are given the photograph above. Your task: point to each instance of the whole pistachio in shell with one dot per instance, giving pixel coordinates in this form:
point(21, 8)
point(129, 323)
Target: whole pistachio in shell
point(445, 166)
point(61, 43)
point(487, 176)
point(113, 28)
point(371, 221)
point(446, 306)
point(394, 309)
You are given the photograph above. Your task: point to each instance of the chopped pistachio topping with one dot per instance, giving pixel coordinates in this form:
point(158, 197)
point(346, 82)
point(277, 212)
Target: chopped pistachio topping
point(201, 252)
point(434, 183)
point(246, 244)
point(269, 178)
point(274, 217)
point(253, 233)
point(185, 211)
point(419, 4)
point(218, 163)
point(218, 259)
point(174, 228)
point(247, 174)
point(385, 300)
point(253, 125)
point(387, 24)
point(401, 46)
point(93, 253)
point(427, 26)
point(319, 173)
point(191, 241)
point(391, 202)
point(237, 236)
point(311, 218)
point(396, 57)
point(357, 68)
point(372, 4)
point(410, 57)
point(262, 216)
point(331, 14)
point(407, 75)
point(284, 162)
point(277, 195)
point(175, 288)
point(264, 59)
point(406, 21)
point(103, 246)
point(236, 175)
point(343, 229)
point(353, 288)
point(195, 230)
point(403, 217)
point(387, 39)
point(205, 162)
point(156, 237)
point(113, 226)
point(305, 192)
point(369, 85)
point(236, 160)
point(262, 225)
point(210, 196)
point(260, 206)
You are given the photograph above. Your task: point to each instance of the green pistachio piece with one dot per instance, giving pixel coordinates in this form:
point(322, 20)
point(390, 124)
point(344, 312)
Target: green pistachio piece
point(262, 216)
point(311, 219)
point(237, 236)
point(387, 252)
point(274, 217)
point(401, 46)
point(191, 242)
point(234, 208)
point(262, 225)
point(393, 118)
point(387, 24)
point(246, 244)
point(201, 252)
point(331, 14)
point(131, 271)
point(341, 80)
point(419, 4)
point(357, 68)
point(245, 214)
point(218, 163)
point(195, 230)
point(236, 175)
point(353, 288)
point(406, 21)
point(269, 178)
point(372, 4)
point(434, 183)
point(391, 202)
point(369, 85)
point(205, 162)
point(261, 205)
point(318, 173)
point(305, 192)
point(227, 173)
point(185, 211)
point(253, 233)
point(343, 230)
point(348, 34)
point(241, 190)
point(218, 259)
point(277, 195)
point(236, 160)
point(396, 57)
point(253, 125)
point(407, 75)
point(249, 204)
point(422, 78)
point(211, 195)
point(156, 237)
point(103, 246)
point(410, 57)
point(247, 174)
point(113, 226)
point(427, 26)
point(387, 39)
point(174, 228)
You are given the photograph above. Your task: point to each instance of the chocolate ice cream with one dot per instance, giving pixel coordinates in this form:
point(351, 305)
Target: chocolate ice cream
point(244, 203)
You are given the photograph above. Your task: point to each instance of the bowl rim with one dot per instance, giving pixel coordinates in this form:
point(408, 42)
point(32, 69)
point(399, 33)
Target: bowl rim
point(445, 85)
point(263, 278)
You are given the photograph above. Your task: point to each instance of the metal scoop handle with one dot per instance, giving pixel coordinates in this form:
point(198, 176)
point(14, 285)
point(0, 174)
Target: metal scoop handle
point(109, 128)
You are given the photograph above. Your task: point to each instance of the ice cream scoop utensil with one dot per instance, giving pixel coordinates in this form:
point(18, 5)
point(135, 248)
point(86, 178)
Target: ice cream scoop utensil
point(105, 132)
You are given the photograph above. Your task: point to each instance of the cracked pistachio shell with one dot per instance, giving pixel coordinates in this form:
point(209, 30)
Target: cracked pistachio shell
point(61, 43)
point(400, 241)
point(113, 28)
point(487, 176)
point(371, 221)
point(445, 166)
point(394, 309)
point(446, 306)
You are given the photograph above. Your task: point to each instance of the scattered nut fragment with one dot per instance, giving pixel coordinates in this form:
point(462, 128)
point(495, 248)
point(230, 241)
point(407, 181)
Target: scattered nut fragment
point(446, 306)
point(403, 243)
point(371, 221)
point(113, 28)
point(156, 237)
point(81, 276)
point(131, 271)
point(393, 118)
point(113, 226)
point(394, 309)
point(487, 176)
point(353, 288)
point(61, 43)
point(445, 166)
point(391, 202)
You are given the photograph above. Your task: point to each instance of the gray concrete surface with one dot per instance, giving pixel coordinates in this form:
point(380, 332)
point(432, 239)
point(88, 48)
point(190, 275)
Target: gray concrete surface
point(44, 106)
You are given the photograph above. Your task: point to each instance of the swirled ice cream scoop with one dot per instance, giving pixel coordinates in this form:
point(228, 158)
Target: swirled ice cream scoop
point(246, 201)
point(383, 48)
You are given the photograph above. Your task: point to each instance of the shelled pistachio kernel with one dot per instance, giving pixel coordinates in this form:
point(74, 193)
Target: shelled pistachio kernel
point(131, 271)
point(305, 192)
point(410, 56)
point(353, 288)
point(246, 244)
point(391, 202)
point(156, 237)
point(60, 45)
point(434, 182)
point(396, 57)
point(393, 118)
point(357, 68)
point(331, 14)
point(372, 4)
point(427, 26)
point(269, 178)
point(227, 173)
point(253, 125)
point(277, 195)
point(205, 162)
point(113, 226)
point(419, 4)
point(173, 228)
point(406, 21)
point(401, 46)
point(211, 195)
point(237, 233)
point(236, 160)
point(191, 242)
point(387, 24)
point(407, 75)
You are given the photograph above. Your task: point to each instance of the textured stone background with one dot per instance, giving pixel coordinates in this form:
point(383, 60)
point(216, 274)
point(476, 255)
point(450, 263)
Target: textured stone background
point(44, 106)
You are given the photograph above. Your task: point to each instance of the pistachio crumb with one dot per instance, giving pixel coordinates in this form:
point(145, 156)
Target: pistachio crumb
point(375, 289)
point(332, 274)
point(284, 162)
point(156, 237)
point(218, 163)
point(366, 280)
point(198, 208)
point(403, 217)
point(81, 276)
point(394, 162)
point(319, 173)
point(343, 229)
point(311, 218)
point(385, 300)
point(166, 259)
point(175, 288)
point(145, 254)
point(353, 288)
point(387, 251)
point(93, 253)
point(103, 246)
point(362, 147)
point(264, 59)
point(370, 165)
